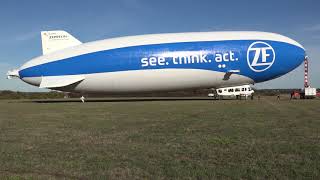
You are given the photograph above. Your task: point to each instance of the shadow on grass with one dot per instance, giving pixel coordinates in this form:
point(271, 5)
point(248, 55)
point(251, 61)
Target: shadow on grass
point(72, 100)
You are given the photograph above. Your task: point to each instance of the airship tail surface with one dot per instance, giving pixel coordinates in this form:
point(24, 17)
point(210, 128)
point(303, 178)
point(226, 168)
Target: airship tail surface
point(57, 40)
point(163, 62)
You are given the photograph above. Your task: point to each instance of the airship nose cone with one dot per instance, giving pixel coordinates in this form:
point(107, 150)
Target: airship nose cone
point(293, 58)
point(274, 59)
point(296, 57)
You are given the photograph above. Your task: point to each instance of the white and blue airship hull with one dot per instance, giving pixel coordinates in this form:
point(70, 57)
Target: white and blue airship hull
point(166, 62)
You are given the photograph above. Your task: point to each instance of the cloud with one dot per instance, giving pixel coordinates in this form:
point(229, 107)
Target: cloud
point(27, 36)
point(5, 40)
point(132, 4)
point(5, 65)
point(316, 37)
point(312, 28)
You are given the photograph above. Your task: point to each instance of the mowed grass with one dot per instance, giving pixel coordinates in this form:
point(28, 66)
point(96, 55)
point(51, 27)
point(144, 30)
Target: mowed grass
point(189, 139)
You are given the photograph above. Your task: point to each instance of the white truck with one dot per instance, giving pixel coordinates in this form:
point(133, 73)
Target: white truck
point(309, 92)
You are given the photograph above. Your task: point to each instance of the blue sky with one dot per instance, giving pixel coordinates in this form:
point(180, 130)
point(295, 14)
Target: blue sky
point(89, 20)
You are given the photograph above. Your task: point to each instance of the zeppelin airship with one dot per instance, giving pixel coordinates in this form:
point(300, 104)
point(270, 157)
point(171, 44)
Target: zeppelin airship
point(160, 62)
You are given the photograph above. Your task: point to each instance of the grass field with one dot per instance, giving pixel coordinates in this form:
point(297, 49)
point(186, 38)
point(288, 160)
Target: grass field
point(163, 139)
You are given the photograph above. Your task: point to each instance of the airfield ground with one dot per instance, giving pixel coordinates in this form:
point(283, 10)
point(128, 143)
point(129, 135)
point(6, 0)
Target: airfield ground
point(160, 139)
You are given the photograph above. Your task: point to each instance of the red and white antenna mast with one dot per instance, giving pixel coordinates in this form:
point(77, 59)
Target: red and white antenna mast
point(306, 73)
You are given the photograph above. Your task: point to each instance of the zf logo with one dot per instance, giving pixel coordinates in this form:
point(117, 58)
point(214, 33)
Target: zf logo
point(260, 56)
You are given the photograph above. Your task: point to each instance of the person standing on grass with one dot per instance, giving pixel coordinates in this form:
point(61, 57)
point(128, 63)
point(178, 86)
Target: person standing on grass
point(278, 94)
point(82, 99)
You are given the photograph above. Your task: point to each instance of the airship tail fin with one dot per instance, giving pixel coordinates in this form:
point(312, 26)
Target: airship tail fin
point(60, 81)
point(57, 40)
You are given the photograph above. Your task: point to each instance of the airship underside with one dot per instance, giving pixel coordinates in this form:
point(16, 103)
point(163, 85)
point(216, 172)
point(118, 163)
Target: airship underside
point(160, 62)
